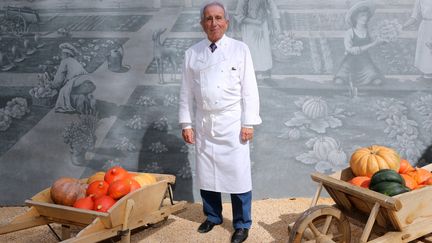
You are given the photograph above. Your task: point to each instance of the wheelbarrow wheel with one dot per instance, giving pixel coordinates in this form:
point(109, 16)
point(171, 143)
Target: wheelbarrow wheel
point(321, 224)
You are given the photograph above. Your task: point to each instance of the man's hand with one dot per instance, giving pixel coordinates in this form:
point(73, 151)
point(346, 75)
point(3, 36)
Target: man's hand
point(188, 135)
point(246, 134)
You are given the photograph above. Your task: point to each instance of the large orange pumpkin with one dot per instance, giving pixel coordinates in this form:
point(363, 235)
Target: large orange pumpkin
point(368, 160)
point(67, 190)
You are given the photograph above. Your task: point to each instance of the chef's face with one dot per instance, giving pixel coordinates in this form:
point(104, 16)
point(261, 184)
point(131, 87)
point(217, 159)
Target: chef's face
point(214, 23)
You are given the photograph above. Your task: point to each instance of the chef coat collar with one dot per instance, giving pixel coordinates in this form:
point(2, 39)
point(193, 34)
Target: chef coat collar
point(221, 42)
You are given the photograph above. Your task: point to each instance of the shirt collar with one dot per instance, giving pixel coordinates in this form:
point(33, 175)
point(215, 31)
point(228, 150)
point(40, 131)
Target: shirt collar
point(218, 43)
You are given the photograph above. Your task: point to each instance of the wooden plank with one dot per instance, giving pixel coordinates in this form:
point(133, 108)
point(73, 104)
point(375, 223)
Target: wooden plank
point(370, 222)
point(340, 198)
point(316, 196)
point(56, 212)
point(29, 219)
point(148, 198)
point(416, 206)
point(366, 194)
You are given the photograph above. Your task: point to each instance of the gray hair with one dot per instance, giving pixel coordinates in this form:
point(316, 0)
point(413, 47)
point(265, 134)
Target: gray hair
point(214, 3)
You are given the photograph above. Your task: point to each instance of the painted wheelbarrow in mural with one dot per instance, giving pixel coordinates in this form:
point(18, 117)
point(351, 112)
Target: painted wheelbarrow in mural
point(19, 19)
point(401, 218)
point(148, 205)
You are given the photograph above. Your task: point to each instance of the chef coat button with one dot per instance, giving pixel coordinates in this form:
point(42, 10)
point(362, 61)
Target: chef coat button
point(218, 86)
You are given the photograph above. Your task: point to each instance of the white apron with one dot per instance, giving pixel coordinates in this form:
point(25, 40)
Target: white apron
point(222, 160)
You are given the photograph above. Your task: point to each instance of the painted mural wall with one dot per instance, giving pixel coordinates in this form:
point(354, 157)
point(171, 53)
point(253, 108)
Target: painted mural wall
point(87, 84)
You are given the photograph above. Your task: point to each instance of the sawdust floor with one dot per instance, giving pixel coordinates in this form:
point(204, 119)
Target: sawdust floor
point(271, 218)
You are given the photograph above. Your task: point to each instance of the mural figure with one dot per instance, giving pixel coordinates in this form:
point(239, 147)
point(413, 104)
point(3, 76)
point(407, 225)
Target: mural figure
point(357, 66)
point(422, 12)
point(258, 19)
point(75, 86)
point(163, 54)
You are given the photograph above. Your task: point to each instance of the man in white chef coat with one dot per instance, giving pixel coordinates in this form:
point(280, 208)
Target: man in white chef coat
point(219, 104)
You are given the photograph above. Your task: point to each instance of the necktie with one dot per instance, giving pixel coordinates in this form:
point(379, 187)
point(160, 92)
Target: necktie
point(213, 47)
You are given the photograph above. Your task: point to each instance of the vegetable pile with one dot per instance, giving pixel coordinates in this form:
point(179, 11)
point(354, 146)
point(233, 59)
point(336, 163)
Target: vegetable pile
point(101, 190)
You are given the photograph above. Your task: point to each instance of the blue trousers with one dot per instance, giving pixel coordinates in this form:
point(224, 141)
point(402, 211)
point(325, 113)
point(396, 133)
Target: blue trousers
point(241, 208)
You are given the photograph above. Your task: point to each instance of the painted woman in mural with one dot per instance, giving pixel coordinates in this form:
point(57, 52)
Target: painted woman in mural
point(256, 17)
point(422, 12)
point(357, 66)
point(76, 86)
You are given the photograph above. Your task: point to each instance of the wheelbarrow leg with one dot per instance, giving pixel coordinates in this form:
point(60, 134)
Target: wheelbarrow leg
point(125, 236)
point(317, 194)
point(370, 222)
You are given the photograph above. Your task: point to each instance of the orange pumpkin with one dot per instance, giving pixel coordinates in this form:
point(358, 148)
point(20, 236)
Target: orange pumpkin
point(144, 179)
point(420, 175)
point(119, 188)
point(96, 177)
point(368, 160)
point(361, 181)
point(97, 189)
point(429, 181)
point(67, 190)
point(405, 167)
point(134, 185)
point(115, 173)
point(410, 182)
point(103, 203)
point(84, 203)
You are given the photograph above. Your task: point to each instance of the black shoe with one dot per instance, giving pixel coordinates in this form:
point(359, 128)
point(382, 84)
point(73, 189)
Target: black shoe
point(206, 226)
point(239, 235)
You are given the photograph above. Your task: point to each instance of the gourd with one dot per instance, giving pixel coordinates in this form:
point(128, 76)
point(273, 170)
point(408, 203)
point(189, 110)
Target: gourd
point(119, 188)
point(410, 182)
point(420, 175)
point(84, 203)
point(67, 190)
point(103, 203)
point(361, 181)
point(115, 173)
point(405, 167)
point(368, 160)
point(388, 182)
point(144, 179)
point(96, 177)
point(97, 188)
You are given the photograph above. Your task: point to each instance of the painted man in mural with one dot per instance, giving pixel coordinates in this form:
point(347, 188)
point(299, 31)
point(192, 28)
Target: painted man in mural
point(256, 17)
point(422, 12)
point(218, 75)
point(357, 65)
point(76, 86)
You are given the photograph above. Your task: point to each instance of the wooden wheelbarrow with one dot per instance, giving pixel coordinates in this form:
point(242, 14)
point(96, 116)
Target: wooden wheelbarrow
point(148, 205)
point(401, 218)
